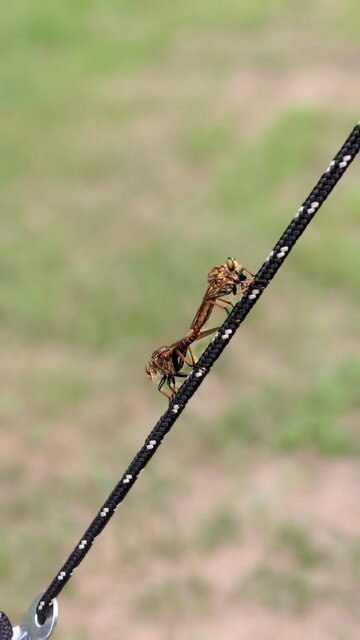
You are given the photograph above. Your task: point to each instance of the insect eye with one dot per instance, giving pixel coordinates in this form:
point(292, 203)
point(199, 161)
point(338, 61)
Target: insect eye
point(230, 263)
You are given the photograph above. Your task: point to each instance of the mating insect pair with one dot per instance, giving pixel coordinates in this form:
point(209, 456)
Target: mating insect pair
point(166, 363)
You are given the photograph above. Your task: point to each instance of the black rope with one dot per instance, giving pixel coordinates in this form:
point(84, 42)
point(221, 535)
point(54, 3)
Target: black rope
point(268, 270)
point(6, 630)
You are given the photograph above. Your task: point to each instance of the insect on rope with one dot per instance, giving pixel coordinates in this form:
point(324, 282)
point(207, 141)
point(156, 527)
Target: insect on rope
point(177, 404)
point(167, 362)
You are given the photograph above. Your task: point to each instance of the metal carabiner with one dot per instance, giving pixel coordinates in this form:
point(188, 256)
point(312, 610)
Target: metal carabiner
point(30, 629)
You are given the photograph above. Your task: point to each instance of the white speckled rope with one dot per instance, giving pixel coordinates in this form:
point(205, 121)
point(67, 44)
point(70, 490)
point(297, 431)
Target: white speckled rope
point(268, 270)
point(6, 630)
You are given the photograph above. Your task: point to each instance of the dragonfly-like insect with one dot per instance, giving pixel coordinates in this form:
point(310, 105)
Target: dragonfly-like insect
point(223, 279)
point(166, 363)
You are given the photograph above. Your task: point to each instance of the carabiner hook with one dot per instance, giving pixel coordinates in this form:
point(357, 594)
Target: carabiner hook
point(30, 629)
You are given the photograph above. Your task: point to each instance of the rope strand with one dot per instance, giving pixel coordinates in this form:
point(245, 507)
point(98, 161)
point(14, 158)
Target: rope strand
point(226, 332)
point(6, 630)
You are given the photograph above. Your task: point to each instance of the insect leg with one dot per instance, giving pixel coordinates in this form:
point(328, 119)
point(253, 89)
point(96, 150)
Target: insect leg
point(182, 357)
point(206, 333)
point(160, 385)
point(166, 395)
point(252, 275)
point(215, 303)
point(172, 386)
point(226, 301)
point(193, 361)
point(244, 286)
point(162, 382)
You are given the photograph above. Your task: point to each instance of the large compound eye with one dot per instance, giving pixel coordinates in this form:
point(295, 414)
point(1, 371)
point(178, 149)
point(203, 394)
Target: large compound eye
point(230, 263)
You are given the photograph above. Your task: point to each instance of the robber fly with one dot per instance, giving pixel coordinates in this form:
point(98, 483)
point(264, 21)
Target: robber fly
point(166, 363)
point(223, 279)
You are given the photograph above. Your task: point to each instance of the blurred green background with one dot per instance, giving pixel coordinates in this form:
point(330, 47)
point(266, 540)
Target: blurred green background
point(141, 144)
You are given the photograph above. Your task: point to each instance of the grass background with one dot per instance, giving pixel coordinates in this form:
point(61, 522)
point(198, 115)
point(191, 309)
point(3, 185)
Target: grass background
point(142, 144)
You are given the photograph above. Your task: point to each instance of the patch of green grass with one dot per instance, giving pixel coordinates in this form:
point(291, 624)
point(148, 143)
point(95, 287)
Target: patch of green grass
point(173, 599)
point(5, 555)
point(92, 38)
point(344, 19)
point(238, 427)
point(33, 272)
point(218, 530)
point(37, 434)
point(158, 491)
point(11, 471)
point(299, 544)
point(317, 420)
point(329, 259)
point(355, 558)
point(253, 172)
point(4, 565)
point(281, 416)
point(170, 546)
point(55, 391)
point(21, 533)
point(48, 294)
point(284, 590)
point(205, 141)
point(81, 635)
point(9, 402)
point(101, 476)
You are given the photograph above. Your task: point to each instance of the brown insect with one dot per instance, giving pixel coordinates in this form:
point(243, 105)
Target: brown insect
point(166, 363)
point(223, 279)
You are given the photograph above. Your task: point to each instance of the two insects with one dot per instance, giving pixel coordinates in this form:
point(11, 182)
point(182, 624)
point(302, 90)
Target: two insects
point(166, 363)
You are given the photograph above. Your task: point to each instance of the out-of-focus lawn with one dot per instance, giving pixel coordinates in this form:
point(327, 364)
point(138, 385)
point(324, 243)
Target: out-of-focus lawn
point(142, 144)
